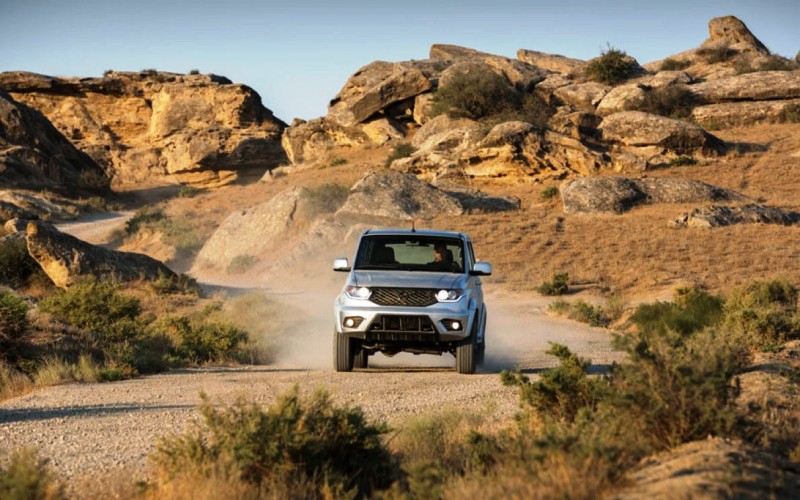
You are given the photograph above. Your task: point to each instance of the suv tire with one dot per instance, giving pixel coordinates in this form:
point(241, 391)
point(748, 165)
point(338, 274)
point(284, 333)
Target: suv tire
point(467, 352)
point(361, 358)
point(343, 356)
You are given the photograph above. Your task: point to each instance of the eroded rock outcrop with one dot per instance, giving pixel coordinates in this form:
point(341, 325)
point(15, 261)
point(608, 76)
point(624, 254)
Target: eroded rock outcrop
point(720, 216)
point(66, 259)
point(620, 194)
point(636, 129)
point(34, 154)
point(195, 129)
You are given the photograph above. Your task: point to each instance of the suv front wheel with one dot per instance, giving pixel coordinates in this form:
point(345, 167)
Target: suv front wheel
point(467, 352)
point(343, 355)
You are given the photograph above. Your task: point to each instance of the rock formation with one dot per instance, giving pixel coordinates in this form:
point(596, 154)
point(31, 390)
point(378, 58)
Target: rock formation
point(620, 194)
point(719, 216)
point(34, 154)
point(152, 127)
point(66, 259)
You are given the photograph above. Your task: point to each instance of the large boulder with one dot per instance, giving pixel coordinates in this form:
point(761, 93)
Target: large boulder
point(66, 259)
point(619, 194)
point(310, 141)
point(159, 127)
point(639, 129)
point(582, 96)
point(745, 113)
point(758, 86)
point(394, 196)
point(377, 86)
point(34, 154)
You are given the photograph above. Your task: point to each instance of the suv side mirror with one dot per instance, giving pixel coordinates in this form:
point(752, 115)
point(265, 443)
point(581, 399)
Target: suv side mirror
point(481, 269)
point(341, 265)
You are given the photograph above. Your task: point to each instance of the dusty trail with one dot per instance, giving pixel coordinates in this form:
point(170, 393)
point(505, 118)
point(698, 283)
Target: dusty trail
point(86, 429)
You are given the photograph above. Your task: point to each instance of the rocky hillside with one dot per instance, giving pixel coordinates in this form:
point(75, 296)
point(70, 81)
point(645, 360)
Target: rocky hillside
point(156, 128)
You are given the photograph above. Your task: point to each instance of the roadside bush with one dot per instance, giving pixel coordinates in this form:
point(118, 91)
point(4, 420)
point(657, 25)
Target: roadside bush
point(762, 314)
point(673, 101)
point(691, 311)
point(548, 193)
point(27, 476)
point(401, 150)
point(94, 181)
point(199, 342)
point(13, 320)
point(670, 64)
point(303, 439)
point(143, 216)
point(558, 286)
point(581, 311)
point(182, 284)
point(612, 67)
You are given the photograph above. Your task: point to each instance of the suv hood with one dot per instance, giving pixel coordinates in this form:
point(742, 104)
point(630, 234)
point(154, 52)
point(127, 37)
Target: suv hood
point(409, 279)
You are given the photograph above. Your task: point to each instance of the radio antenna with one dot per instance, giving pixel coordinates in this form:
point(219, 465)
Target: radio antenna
point(413, 226)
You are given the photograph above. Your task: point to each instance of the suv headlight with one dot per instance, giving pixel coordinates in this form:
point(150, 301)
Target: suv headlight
point(358, 292)
point(449, 295)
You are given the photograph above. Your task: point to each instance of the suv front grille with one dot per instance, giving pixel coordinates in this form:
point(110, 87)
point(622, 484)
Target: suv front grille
point(404, 297)
point(401, 324)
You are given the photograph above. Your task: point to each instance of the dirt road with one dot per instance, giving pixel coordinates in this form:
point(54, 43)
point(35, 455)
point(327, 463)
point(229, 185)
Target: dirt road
point(86, 429)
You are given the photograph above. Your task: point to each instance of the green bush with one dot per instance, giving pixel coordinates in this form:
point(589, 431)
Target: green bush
point(582, 312)
point(691, 311)
point(670, 64)
point(188, 192)
point(144, 216)
point(682, 161)
point(17, 267)
point(182, 284)
point(199, 342)
point(99, 307)
point(312, 438)
point(612, 67)
point(13, 319)
point(762, 314)
point(558, 286)
point(673, 101)
point(548, 193)
point(335, 162)
point(93, 180)
point(27, 477)
point(401, 150)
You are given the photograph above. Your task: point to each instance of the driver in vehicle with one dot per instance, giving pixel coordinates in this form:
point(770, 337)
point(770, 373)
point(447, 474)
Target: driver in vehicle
point(442, 258)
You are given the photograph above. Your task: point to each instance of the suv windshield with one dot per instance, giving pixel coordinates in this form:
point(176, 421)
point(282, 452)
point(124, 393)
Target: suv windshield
point(411, 253)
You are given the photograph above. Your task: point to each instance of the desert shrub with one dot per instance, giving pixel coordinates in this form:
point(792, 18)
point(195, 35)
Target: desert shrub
point(670, 64)
point(691, 311)
point(777, 63)
point(99, 307)
point(241, 263)
point(612, 67)
point(13, 319)
point(324, 199)
point(761, 314)
point(791, 114)
point(13, 382)
point(581, 311)
point(17, 267)
point(548, 193)
point(28, 476)
point(194, 71)
point(562, 392)
point(143, 216)
point(338, 161)
point(196, 341)
point(559, 285)
point(93, 180)
point(682, 161)
point(717, 54)
point(401, 150)
point(673, 101)
point(188, 192)
point(310, 438)
point(180, 284)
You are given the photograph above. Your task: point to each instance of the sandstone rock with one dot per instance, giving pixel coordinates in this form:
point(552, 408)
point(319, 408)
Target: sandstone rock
point(38, 204)
point(254, 233)
point(422, 108)
point(665, 78)
point(521, 74)
point(373, 88)
point(758, 86)
point(34, 154)
point(731, 30)
point(509, 149)
point(575, 124)
point(312, 140)
point(635, 128)
point(622, 98)
point(15, 225)
point(546, 88)
point(10, 211)
point(582, 96)
point(720, 216)
point(737, 114)
point(445, 51)
point(444, 133)
point(476, 201)
point(551, 62)
point(150, 126)
point(619, 194)
point(66, 259)
point(382, 130)
point(398, 197)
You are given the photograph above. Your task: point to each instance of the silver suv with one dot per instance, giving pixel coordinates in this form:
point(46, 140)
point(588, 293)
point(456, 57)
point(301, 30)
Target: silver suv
point(411, 291)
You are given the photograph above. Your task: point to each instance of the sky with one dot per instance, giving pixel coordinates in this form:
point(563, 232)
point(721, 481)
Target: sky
point(297, 54)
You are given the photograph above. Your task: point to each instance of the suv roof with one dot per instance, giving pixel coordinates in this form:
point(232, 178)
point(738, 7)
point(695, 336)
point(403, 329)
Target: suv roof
point(422, 232)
